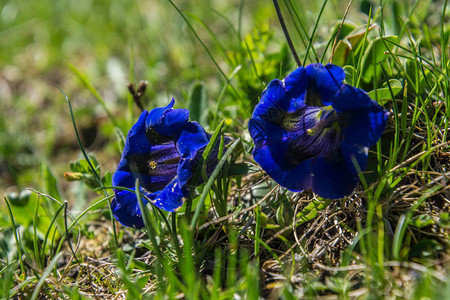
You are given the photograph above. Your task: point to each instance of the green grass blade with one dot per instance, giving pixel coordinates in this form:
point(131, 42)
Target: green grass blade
point(45, 274)
point(7, 276)
point(213, 141)
point(16, 236)
point(404, 219)
point(210, 181)
point(311, 39)
point(94, 171)
point(151, 232)
point(207, 50)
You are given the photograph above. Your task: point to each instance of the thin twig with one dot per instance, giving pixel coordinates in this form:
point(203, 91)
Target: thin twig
point(232, 215)
point(339, 30)
point(137, 94)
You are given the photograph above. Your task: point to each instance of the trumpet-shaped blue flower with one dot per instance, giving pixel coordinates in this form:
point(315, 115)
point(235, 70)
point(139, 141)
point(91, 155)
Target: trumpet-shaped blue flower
point(312, 131)
point(162, 149)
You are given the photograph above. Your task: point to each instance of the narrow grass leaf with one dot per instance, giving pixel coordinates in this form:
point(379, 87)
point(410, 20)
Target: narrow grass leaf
point(45, 274)
point(206, 49)
point(187, 267)
point(77, 219)
point(94, 171)
point(257, 229)
point(387, 93)
point(16, 236)
point(213, 141)
point(210, 181)
point(311, 39)
point(7, 278)
point(404, 220)
point(311, 211)
point(198, 103)
point(151, 232)
point(222, 94)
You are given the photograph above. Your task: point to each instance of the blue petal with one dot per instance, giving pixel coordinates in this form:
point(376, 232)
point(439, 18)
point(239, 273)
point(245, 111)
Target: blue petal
point(332, 178)
point(171, 197)
point(362, 119)
point(300, 177)
point(192, 138)
point(157, 114)
point(136, 142)
point(164, 123)
point(158, 167)
point(126, 209)
point(323, 83)
point(296, 84)
point(351, 98)
point(184, 171)
point(354, 154)
point(265, 133)
point(365, 126)
point(123, 178)
point(150, 182)
point(257, 129)
point(297, 178)
point(271, 148)
point(274, 103)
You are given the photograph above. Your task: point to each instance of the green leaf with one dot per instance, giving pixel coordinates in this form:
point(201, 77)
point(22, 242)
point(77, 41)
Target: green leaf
point(262, 217)
point(120, 138)
point(19, 199)
point(383, 94)
point(425, 248)
point(7, 279)
point(213, 140)
point(280, 216)
point(444, 220)
point(271, 226)
point(50, 183)
point(349, 43)
point(198, 110)
point(350, 74)
point(142, 281)
point(82, 166)
point(311, 211)
point(259, 191)
point(376, 53)
point(238, 169)
point(107, 179)
point(421, 221)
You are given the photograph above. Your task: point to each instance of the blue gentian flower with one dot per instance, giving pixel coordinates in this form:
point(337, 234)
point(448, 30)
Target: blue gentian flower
point(312, 131)
point(162, 149)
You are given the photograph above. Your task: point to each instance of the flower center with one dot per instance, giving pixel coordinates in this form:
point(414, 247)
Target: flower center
point(152, 164)
point(311, 132)
point(327, 117)
point(156, 168)
point(302, 120)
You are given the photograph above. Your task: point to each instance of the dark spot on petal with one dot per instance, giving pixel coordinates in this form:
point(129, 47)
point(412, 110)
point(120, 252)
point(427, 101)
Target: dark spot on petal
point(155, 138)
